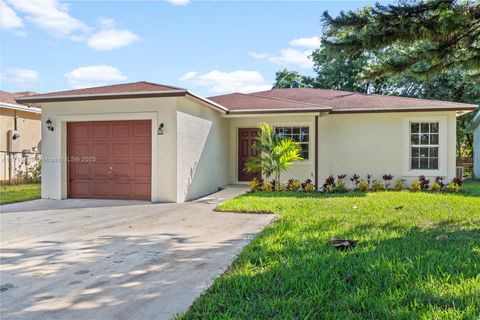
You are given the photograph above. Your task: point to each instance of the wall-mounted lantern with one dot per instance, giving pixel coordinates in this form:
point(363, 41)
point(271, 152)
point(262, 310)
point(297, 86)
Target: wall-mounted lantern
point(160, 129)
point(49, 125)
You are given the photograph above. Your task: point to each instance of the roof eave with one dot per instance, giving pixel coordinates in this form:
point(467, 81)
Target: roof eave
point(102, 96)
point(279, 110)
point(404, 109)
point(20, 107)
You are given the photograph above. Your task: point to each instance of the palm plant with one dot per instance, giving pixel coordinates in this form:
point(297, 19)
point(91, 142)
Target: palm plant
point(276, 154)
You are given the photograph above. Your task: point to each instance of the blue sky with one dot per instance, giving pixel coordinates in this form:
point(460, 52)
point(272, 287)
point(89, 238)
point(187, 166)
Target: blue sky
point(208, 47)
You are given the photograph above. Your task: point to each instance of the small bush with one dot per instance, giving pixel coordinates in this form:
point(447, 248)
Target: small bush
point(308, 181)
point(435, 187)
point(439, 180)
point(377, 185)
point(355, 180)
point(340, 186)
point(399, 184)
point(424, 182)
point(458, 181)
point(453, 187)
point(363, 186)
point(415, 186)
point(254, 185)
point(268, 187)
point(329, 185)
point(282, 187)
point(293, 185)
point(309, 187)
point(387, 178)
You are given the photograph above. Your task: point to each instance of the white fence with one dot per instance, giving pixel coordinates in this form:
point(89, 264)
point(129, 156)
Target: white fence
point(19, 167)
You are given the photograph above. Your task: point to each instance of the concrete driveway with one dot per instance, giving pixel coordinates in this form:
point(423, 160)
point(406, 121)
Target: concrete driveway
point(115, 259)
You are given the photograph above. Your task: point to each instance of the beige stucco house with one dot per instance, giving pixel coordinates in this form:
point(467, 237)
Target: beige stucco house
point(162, 143)
point(20, 130)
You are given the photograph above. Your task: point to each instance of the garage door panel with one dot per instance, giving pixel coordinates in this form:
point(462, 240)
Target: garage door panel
point(101, 150)
point(101, 130)
point(142, 130)
point(121, 164)
point(121, 130)
point(80, 150)
point(142, 150)
point(121, 150)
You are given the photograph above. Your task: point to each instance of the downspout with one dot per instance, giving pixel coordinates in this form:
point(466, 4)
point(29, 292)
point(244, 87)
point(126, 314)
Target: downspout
point(316, 152)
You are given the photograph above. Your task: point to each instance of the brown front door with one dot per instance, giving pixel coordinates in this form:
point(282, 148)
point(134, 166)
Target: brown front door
point(109, 159)
point(247, 138)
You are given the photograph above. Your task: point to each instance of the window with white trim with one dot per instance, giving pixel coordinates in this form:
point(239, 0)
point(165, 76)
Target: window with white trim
point(298, 134)
point(424, 144)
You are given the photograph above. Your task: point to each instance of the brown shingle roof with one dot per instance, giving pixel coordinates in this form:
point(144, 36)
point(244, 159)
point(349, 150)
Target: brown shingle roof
point(339, 101)
point(141, 86)
point(9, 97)
point(238, 102)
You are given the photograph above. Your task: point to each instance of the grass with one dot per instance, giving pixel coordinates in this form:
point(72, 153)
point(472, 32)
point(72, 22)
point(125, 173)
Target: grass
point(19, 193)
point(418, 257)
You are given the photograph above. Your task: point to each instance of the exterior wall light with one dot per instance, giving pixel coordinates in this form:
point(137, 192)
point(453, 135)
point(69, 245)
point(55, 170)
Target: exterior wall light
point(160, 129)
point(49, 125)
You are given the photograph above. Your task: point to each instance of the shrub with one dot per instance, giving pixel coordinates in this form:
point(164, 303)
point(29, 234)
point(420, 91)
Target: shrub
point(341, 186)
point(341, 176)
point(254, 185)
point(399, 184)
point(439, 180)
point(453, 187)
point(387, 178)
point(293, 185)
point(267, 187)
point(424, 182)
point(369, 179)
point(309, 187)
point(308, 181)
point(458, 181)
point(363, 186)
point(377, 185)
point(415, 186)
point(355, 180)
point(436, 186)
point(282, 187)
point(329, 185)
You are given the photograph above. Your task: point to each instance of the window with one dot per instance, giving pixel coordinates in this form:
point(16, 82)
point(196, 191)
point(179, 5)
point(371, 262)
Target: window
point(298, 134)
point(424, 145)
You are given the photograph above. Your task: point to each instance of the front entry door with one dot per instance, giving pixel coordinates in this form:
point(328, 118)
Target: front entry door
point(247, 138)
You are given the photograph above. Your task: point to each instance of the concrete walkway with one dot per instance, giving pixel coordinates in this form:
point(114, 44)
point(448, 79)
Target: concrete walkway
point(83, 259)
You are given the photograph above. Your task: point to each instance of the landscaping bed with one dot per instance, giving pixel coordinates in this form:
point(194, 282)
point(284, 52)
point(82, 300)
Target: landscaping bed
point(417, 257)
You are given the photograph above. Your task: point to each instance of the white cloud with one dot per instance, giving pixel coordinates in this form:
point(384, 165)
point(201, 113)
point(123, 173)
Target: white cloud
point(9, 19)
point(179, 2)
point(287, 56)
point(311, 43)
point(92, 76)
point(218, 82)
point(110, 38)
point(21, 76)
point(51, 16)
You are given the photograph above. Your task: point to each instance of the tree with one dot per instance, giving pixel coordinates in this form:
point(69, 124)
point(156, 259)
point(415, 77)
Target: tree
point(276, 154)
point(422, 37)
point(292, 79)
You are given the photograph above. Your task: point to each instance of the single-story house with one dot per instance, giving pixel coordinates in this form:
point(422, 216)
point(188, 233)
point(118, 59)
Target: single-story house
point(475, 128)
point(162, 143)
point(20, 131)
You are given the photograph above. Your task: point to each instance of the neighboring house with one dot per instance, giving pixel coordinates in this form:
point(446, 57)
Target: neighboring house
point(162, 143)
point(20, 130)
point(475, 128)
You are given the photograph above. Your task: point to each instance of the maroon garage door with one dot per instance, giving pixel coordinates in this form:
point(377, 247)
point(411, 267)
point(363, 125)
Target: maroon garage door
point(109, 159)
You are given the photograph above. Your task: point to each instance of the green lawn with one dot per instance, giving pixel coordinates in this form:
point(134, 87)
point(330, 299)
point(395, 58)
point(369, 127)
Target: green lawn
point(19, 193)
point(418, 257)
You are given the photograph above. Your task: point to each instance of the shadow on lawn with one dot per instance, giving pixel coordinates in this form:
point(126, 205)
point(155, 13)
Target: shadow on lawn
point(415, 273)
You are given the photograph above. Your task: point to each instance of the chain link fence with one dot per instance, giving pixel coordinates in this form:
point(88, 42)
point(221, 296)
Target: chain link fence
point(20, 167)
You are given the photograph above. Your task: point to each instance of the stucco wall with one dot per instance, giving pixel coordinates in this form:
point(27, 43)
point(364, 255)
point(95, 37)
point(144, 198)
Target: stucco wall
point(202, 144)
point(300, 169)
point(377, 144)
point(54, 169)
point(28, 124)
point(476, 151)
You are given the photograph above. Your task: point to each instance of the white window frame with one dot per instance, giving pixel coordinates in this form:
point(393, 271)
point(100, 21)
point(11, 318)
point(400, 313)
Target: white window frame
point(308, 143)
point(442, 146)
